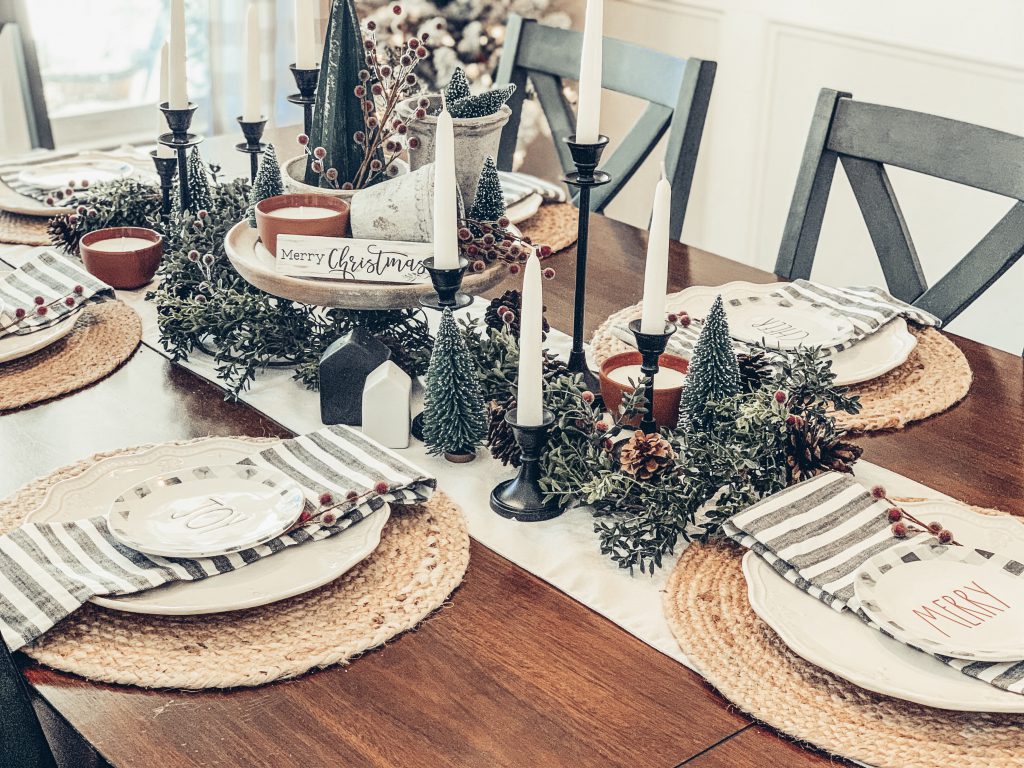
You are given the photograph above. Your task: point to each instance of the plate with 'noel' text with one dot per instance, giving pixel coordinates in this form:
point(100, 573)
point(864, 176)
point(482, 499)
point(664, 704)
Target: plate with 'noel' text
point(949, 600)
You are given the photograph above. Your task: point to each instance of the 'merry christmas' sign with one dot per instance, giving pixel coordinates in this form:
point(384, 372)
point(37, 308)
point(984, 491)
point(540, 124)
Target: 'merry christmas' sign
point(339, 258)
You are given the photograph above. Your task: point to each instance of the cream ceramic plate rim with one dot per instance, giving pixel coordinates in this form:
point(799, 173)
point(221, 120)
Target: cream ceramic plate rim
point(132, 532)
point(865, 592)
point(884, 350)
point(14, 347)
point(814, 631)
point(291, 572)
point(117, 169)
point(523, 209)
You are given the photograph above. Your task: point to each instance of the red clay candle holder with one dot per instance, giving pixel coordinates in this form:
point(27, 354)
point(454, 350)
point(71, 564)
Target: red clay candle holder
point(300, 214)
point(666, 399)
point(122, 257)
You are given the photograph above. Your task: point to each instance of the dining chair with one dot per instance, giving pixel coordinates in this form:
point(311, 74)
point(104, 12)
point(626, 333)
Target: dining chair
point(677, 92)
point(867, 137)
point(22, 741)
point(25, 80)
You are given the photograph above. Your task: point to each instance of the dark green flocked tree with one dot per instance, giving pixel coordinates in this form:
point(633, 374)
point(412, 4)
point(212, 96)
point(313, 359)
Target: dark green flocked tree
point(458, 86)
point(482, 104)
point(714, 372)
point(198, 183)
point(454, 414)
point(489, 204)
point(268, 182)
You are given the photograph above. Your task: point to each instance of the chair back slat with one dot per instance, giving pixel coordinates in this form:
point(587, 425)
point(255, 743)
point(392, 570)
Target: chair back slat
point(868, 137)
point(677, 92)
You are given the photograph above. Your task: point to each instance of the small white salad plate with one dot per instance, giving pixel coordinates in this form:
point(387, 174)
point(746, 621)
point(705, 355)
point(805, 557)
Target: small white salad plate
point(842, 644)
point(56, 175)
point(205, 511)
point(291, 572)
point(787, 327)
point(887, 348)
point(954, 601)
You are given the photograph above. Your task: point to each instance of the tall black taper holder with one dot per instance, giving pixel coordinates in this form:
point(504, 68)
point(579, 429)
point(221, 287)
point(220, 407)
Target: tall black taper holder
point(166, 167)
point(521, 498)
point(447, 283)
point(180, 140)
point(651, 346)
point(306, 81)
point(252, 130)
point(586, 157)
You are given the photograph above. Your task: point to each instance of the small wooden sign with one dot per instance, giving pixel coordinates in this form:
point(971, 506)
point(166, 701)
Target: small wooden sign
point(342, 258)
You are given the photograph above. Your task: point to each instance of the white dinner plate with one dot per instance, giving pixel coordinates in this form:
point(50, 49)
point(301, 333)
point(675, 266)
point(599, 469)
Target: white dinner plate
point(955, 601)
point(523, 209)
point(787, 327)
point(205, 511)
point(14, 346)
point(887, 348)
point(842, 644)
point(291, 572)
point(56, 175)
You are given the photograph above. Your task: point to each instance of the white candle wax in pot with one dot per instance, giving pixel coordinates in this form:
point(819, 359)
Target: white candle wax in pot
point(302, 212)
point(665, 378)
point(588, 111)
point(446, 223)
point(121, 244)
point(177, 58)
point(529, 394)
point(656, 270)
point(161, 150)
point(305, 35)
point(251, 109)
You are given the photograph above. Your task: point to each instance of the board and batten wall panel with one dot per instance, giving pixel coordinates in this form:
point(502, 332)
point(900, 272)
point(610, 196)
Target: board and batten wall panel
point(959, 60)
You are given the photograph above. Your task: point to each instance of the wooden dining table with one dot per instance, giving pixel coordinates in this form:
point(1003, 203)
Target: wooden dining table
point(512, 672)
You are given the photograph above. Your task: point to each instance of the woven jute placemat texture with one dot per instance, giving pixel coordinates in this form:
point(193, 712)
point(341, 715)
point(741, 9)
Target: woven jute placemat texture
point(934, 378)
point(105, 335)
point(422, 558)
point(554, 225)
point(23, 230)
point(708, 611)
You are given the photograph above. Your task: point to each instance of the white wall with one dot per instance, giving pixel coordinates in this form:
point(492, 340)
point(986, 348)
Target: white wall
point(963, 60)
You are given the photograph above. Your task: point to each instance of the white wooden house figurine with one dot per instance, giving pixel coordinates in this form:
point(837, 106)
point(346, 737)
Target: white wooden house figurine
point(387, 397)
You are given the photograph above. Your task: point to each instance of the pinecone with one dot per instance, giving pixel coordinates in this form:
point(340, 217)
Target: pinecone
point(511, 301)
point(63, 234)
point(500, 439)
point(814, 448)
point(645, 456)
point(754, 368)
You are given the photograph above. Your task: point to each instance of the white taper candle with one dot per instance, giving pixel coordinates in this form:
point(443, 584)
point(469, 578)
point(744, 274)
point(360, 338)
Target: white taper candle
point(252, 111)
point(656, 270)
point(529, 395)
point(305, 35)
point(588, 114)
point(446, 222)
point(161, 150)
point(178, 58)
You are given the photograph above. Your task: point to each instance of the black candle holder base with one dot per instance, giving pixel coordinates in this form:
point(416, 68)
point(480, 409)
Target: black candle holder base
point(651, 347)
point(180, 140)
point(306, 81)
point(416, 427)
point(252, 131)
point(166, 168)
point(521, 498)
point(447, 283)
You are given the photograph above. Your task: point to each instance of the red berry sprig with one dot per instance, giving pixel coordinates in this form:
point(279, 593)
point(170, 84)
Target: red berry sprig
point(484, 242)
point(40, 308)
point(327, 513)
point(904, 523)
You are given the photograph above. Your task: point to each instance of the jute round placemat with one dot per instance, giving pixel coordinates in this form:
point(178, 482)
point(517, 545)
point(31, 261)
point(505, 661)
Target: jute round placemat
point(736, 652)
point(23, 230)
point(422, 558)
point(105, 335)
point(934, 378)
point(554, 225)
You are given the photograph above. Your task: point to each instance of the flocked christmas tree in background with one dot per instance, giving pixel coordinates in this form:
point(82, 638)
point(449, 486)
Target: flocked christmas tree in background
point(482, 104)
point(714, 372)
point(489, 204)
point(268, 182)
point(458, 86)
point(454, 415)
point(198, 183)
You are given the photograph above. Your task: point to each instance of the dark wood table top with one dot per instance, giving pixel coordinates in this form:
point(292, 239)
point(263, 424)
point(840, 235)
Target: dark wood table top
point(512, 672)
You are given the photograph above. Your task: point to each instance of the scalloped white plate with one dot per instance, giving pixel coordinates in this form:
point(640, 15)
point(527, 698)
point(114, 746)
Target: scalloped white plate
point(845, 646)
point(290, 572)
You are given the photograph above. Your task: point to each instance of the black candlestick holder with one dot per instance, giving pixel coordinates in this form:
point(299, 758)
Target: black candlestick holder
point(180, 140)
point(521, 498)
point(651, 347)
point(253, 145)
point(586, 157)
point(166, 167)
point(447, 283)
point(306, 81)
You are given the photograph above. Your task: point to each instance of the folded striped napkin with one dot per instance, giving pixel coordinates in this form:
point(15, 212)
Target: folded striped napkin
point(867, 309)
point(12, 179)
point(517, 186)
point(818, 535)
point(48, 570)
point(54, 277)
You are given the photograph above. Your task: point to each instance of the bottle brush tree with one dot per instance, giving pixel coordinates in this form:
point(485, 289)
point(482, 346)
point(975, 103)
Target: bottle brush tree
point(268, 182)
point(714, 373)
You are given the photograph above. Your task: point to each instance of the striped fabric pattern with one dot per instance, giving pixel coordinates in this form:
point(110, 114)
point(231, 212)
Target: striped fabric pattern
point(52, 276)
point(818, 535)
point(12, 179)
point(48, 570)
point(867, 309)
point(518, 186)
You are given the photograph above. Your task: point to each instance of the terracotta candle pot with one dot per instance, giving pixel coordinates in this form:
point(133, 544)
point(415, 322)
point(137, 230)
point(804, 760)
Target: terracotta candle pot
point(618, 370)
point(122, 257)
point(300, 214)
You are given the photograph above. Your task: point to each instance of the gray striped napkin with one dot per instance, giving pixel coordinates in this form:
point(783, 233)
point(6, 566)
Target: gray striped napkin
point(867, 309)
point(13, 180)
point(517, 186)
point(54, 277)
point(48, 570)
point(818, 535)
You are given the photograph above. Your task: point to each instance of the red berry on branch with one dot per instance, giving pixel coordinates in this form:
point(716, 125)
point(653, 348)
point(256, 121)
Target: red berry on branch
point(424, 102)
point(368, 45)
point(328, 518)
point(421, 53)
point(39, 300)
point(347, 185)
point(895, 514)
point(396, 9)
point(935, 527)
point(303, 139)
point(588, 396)
point(601, 426)
point(513, 269)
point(410, 79)
point(545, 251)
point(548, 273)
point(317, 166)
point(420, 113)
point(351, 496)
point(364, 75)
point(304, 517)
point(319, 153)
point(780, 396)
point(899, 530)
point(878, 491)
point(326, 499)
point(478, 266)
point(376, 89)
point(945, 537)
point(69, 301)
point(371, 25)
point(385, 71)
point(465, 234)
point(331, 174)
point(503, 222)
point(359, 91)
point(380, 487)
point(41, 311)
point(413, 43)
point(19, 312)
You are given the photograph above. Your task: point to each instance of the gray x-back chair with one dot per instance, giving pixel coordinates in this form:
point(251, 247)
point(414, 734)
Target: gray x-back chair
point(867, 137)
point(14, 14)
point(677, 92)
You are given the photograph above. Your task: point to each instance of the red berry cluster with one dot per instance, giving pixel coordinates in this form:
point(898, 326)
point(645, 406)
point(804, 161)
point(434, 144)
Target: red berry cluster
point(903, 523)
point(41, 307)
point(327, 514)
point(483, 243)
